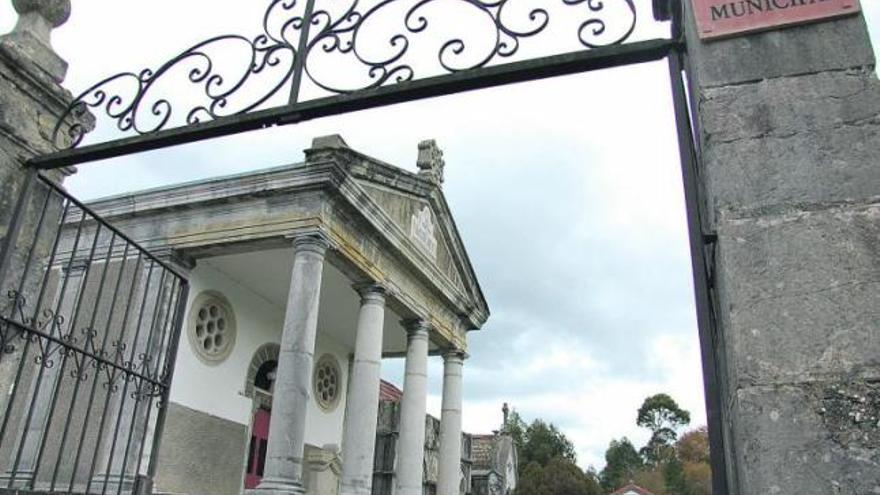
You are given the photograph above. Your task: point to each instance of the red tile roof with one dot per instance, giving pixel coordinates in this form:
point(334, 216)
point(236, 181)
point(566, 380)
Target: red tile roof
point(389, 393)
point(631, 488)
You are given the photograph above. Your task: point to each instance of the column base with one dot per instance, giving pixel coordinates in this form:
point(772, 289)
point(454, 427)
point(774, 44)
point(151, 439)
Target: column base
point(277, 487)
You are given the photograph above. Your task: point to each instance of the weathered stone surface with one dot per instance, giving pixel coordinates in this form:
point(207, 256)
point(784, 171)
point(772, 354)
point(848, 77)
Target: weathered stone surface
point(812, 48)
point(785, 446)
point(802, 294)
point(789, 130)
point(788, 142)
point(776, 173)
point(200, 453)
point(785, 106)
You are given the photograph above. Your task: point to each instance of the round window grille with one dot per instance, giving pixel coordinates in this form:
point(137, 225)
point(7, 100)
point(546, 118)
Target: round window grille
point(328, 382)
point(212, 327)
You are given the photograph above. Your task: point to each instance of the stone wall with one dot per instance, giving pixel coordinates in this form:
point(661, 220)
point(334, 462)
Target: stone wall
point(386, 439)
point(201, 454)
point(789, 129)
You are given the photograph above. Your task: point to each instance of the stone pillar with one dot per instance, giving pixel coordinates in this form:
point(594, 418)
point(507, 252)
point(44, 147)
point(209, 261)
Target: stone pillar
point(449, 478)
point(411, 443)
point(284, 458)
point(31, 99)
point(788, 123)
point(362, 403)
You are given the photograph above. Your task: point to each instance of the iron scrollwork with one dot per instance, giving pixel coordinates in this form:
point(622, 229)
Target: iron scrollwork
point(273, 60)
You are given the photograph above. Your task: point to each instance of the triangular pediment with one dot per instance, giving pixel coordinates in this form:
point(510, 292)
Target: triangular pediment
point(409, 209)
point(427, 225)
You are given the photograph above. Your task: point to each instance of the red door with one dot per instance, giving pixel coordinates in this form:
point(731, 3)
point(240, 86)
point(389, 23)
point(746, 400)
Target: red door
point(257, 450)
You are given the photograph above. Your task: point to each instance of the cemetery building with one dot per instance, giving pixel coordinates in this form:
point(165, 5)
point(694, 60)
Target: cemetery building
point(303, 278)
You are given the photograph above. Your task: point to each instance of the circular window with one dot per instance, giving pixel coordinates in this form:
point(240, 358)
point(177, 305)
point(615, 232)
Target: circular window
point(328, 382)
point(212, 327)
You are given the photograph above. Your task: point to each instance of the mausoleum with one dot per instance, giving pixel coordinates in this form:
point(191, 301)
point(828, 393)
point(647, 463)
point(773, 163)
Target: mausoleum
point(303, 278)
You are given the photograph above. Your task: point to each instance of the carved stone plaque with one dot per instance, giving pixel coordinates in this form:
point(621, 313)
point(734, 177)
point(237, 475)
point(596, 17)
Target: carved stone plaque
point(725, 18)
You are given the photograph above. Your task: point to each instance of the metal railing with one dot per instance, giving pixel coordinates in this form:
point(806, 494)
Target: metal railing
point(89, 327)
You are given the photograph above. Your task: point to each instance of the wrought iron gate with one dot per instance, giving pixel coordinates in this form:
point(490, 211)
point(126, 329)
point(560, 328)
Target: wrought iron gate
point(89, 326)
point(295, 33)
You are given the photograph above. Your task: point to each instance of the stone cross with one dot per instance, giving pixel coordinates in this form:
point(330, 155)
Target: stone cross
point(430, 161)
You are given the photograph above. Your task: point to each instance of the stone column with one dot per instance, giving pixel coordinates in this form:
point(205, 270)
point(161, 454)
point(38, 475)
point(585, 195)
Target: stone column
point(284, 458)
point(788, 124)
point(362, 403)
point(411, 442)
point(449, 478)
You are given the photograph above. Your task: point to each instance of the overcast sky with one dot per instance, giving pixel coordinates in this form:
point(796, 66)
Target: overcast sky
point(567, 193)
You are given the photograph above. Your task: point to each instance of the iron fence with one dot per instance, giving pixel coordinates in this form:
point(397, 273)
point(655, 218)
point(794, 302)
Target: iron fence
point(89, 326)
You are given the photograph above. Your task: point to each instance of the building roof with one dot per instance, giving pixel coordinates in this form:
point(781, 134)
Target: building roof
point(631, 488)
point(482, 447)
point(388, 392)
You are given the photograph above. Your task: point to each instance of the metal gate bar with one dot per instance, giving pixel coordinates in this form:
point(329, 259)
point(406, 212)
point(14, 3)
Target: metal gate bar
point(486, 77)
point(701, 244)
point(89, 326)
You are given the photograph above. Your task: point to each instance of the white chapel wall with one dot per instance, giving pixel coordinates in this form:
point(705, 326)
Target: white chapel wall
point(218, 389)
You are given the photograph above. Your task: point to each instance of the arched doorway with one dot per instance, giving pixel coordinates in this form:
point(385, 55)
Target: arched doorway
point(259, 386)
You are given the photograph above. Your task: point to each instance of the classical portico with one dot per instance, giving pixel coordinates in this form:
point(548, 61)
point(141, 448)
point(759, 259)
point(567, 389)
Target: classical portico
point(304, 278)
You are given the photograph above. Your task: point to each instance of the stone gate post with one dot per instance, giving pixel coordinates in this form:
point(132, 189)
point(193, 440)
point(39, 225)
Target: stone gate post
point(788, 125)
point(31, 100)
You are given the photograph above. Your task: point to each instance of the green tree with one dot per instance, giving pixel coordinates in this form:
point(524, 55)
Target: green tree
point(560, 476)
point(547, 461)
point(543, 442)
point(663, 416)
point(621, 463)
point(673, 477)
point(516, 428)
point(564, 477)
point(539, 441)
point(531, 480)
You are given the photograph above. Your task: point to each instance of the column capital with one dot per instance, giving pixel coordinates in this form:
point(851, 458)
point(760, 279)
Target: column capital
point(416, 327)
point(454, 355)
point(371, 292)
point(312, 242)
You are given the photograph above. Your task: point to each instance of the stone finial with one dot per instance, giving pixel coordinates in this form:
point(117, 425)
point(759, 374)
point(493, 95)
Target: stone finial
point(331, 141)
point(506, 411)
point(32, 36)
point(40, 17)
point(430, 161)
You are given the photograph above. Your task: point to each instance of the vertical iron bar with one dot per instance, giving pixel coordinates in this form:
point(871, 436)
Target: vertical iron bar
point(27, 344)
point(46, 352)
point(171, 361)
point(127, 377)
point(4, 338)
point(112, 374)
point(299, 62)
point(706, 322)
point(92, 329)
point(169, 317)
point(71, 330)
point(15, 225)
point(139, 387)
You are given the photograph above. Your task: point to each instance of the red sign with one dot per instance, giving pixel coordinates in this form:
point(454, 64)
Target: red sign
point(718, 18)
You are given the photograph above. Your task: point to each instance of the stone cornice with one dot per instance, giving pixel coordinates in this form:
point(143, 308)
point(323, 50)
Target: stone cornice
point(267, 182)
point(327, 175)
